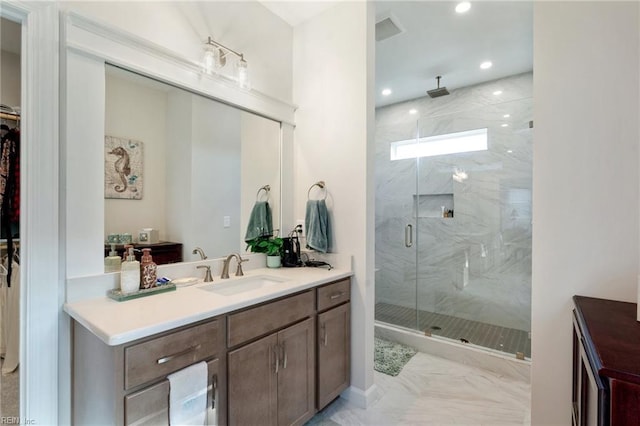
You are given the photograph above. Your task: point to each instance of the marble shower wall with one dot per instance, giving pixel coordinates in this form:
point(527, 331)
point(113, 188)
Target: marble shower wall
point(477, 264)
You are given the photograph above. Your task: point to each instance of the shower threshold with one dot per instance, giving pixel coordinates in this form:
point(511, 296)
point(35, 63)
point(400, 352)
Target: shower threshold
point(507, 340)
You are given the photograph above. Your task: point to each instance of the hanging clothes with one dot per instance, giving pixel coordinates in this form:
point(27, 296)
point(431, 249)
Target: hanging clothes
point(9, 188)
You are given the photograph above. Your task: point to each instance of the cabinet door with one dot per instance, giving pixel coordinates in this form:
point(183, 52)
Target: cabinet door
point(296, 374)
point(333, 353)
point(252, 383)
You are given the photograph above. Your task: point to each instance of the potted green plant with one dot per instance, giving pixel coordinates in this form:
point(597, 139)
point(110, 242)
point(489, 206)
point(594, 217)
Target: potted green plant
point(272, 246)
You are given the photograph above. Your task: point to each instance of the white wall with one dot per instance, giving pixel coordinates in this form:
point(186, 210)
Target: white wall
point(585, 188)
point(332, 76)
point(246, 27)
point(10, 71)
point(138, 112)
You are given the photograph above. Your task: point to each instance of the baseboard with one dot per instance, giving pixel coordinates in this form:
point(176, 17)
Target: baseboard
point(359, 398)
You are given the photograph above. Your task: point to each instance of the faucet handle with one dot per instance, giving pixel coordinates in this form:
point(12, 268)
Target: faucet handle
point(239, 272)
point(207, 276)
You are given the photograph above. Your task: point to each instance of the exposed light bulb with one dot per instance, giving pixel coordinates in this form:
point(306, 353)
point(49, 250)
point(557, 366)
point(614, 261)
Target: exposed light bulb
point(209, 61)
point(506, 115)
point(413, 111)
point(497, 92)
point(386, 92)
point(243, 73)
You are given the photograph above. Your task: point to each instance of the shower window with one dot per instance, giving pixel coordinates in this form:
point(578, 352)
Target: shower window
point(450, 143)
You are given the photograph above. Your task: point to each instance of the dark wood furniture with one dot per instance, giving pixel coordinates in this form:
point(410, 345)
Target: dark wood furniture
point(606, 363)
point(163, 252)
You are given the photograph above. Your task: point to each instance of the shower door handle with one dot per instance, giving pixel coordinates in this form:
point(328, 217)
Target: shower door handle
point(408, 235)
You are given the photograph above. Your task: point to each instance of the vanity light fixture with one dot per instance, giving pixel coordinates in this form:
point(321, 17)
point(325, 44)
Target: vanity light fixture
point(215, 57)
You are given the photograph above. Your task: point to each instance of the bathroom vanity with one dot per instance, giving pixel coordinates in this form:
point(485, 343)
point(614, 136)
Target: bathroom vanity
point(275, 355)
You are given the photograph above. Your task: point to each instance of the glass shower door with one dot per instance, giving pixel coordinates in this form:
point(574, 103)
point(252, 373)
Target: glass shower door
point(396, 228)
point(474, 229)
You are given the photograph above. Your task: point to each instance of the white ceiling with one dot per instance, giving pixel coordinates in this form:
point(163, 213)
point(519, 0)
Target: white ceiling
point(438, 41)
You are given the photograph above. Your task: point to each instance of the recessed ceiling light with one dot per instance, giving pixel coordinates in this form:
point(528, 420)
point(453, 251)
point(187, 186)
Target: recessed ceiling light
point(486, 65)
point(413, 111)
point(504, 125)
point(509, 151)
point(506, 116)
point(463, 7)
point(497, 92)
point(386, 92)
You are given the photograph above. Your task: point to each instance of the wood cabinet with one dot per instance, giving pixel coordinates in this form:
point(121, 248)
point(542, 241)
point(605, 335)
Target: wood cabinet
point(606, 363)
point(127, 384)
point(274, 363)
point(163, 252)
point(334, 340)
point(271, 380)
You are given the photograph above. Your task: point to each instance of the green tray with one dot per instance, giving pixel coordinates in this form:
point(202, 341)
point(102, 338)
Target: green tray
point(121, 297)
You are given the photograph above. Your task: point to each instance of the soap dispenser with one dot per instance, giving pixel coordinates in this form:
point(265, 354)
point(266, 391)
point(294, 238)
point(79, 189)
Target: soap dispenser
point(148, 269)
point(130, 274)
point(113, 261)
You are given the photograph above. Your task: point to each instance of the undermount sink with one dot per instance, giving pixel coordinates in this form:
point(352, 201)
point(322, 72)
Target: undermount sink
point(242, 285)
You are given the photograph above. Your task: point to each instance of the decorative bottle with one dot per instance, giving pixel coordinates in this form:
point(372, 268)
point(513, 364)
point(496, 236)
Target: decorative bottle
point(130, 274)
point(113, 261)
point(148, 270)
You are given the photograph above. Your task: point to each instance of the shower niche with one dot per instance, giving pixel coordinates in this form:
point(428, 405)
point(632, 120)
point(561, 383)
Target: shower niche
point(433, 206)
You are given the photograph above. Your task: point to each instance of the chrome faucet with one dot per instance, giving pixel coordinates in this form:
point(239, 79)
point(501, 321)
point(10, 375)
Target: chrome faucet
point(207, 275)
point(199, 251)
point(225, 265)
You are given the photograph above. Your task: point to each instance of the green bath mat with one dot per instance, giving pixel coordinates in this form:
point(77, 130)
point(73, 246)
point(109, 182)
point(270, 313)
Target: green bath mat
point(390, 357)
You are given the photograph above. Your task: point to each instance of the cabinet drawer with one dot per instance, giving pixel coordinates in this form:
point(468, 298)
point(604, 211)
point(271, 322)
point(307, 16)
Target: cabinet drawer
point(163, 355)
point(334, 294)
point(258, 321)
point(150, 406)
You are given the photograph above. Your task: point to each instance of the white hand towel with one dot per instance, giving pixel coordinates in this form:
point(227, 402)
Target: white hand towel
point(188, 395)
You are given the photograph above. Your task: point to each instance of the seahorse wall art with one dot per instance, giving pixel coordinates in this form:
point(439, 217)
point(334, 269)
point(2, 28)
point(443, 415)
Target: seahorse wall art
point(122, 168)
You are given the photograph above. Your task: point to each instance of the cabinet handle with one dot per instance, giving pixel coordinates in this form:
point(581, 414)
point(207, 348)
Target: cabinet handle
point(408, 235)
point(277, 357)
point(178, 354)
point(324, 334)
point(336, 295)
point(214, 390)
point(284, 356)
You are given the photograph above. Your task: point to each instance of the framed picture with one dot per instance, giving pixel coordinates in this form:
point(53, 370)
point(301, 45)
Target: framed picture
point(122, 168)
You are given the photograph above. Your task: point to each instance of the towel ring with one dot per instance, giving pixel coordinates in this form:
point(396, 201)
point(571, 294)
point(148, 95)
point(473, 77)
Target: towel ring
point(266, 189)
point(319, 184)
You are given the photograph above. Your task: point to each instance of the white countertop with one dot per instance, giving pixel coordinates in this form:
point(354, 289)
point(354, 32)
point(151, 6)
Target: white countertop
point(116, 323)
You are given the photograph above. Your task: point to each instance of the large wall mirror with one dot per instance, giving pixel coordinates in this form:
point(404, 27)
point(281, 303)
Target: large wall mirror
point(197, 165)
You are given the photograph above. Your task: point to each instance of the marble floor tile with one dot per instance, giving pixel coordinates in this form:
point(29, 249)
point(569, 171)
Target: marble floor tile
point(435, 391)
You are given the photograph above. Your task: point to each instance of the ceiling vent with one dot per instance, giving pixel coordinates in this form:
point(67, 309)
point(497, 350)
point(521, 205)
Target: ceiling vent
point(387, 27)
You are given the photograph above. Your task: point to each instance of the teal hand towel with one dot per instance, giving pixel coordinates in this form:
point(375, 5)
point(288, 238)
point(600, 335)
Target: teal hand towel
point(260, 222)
point(317, 224)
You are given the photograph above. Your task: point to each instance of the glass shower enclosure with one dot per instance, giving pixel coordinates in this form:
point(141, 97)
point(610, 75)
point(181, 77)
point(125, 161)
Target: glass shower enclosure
point(453, 215)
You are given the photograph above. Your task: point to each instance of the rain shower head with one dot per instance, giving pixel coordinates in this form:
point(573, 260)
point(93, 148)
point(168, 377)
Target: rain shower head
point(439, 91)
